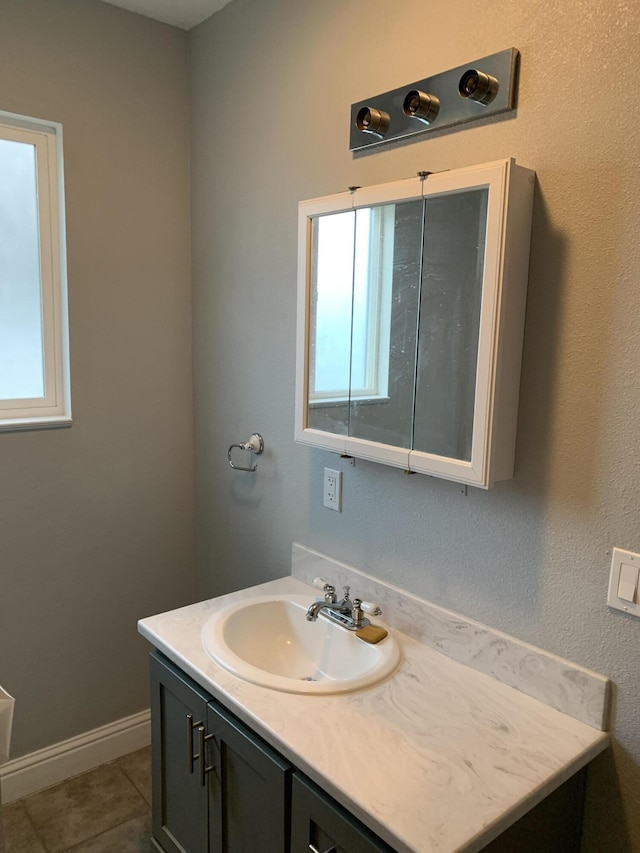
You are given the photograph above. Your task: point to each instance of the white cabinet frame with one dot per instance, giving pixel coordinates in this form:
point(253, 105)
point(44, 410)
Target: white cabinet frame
point(505, 272)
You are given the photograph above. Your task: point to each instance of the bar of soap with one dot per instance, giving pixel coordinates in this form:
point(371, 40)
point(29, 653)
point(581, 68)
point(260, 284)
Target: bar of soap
point(371, 634)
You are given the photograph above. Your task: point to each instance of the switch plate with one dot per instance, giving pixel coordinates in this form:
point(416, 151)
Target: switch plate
point(332, 496)
point(624, 593)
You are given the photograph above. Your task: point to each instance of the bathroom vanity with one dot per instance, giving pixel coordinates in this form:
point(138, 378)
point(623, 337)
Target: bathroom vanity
point(247, 796)
point(476, 742)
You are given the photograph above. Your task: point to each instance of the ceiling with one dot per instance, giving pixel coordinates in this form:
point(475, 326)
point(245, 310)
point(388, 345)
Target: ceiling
point(179, 13)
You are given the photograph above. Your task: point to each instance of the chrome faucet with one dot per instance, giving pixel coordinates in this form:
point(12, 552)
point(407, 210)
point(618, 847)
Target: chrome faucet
point(347, 613)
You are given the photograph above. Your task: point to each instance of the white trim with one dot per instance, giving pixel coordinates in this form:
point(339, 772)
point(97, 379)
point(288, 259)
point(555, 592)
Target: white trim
point(53, 422)
point(54, 407)
point(475, 471)
point(325, 440)
point(375, 451)
point(302, 325)
point(60, 761)
point(501, 322)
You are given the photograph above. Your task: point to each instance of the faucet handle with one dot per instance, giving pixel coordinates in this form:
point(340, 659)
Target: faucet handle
point(328, 589)
point(370, 608)
point(356, 612)
point(330, 594)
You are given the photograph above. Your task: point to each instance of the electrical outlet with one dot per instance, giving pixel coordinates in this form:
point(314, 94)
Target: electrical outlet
point(332, 495)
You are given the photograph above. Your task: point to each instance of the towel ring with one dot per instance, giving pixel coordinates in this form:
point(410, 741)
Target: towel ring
point(254, 445)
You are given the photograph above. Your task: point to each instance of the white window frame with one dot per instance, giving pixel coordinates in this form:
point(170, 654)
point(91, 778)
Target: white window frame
point(54, 408)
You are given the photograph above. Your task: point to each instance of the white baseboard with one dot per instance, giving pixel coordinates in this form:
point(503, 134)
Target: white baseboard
point(54, 764)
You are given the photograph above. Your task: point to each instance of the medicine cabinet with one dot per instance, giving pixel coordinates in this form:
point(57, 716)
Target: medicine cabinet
point(411, 302)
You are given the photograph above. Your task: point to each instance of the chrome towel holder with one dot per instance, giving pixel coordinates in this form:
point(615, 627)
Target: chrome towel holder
point(254, 445)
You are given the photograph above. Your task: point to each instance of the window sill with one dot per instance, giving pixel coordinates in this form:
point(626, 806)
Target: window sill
point(331, 402)
point(50, 422)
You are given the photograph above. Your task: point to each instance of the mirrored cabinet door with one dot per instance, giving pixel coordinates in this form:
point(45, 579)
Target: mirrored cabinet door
point(385, 323)
point(410, 321)
point(450, 301)
point(364, 294)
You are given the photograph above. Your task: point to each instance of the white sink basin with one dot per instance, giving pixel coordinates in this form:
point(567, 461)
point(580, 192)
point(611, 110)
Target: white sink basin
point(269, 641)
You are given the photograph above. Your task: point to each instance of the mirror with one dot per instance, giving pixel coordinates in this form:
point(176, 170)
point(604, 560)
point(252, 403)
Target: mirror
point(399, 298)
point(450, 301)
point(364, 307)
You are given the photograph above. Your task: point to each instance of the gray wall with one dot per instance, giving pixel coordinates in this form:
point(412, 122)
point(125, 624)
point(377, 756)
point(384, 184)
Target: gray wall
point(96, 521)
point(532, 556)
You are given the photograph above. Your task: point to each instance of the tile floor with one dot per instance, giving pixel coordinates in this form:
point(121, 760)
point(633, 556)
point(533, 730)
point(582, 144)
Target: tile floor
point(107, 810)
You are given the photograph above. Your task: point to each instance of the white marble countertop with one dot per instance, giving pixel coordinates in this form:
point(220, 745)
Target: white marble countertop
point(438, 757)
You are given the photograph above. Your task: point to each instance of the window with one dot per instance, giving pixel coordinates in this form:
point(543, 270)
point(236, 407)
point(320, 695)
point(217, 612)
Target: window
point(34, 356)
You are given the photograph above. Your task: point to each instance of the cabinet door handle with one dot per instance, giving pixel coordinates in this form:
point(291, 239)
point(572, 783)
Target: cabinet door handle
point(202, 740)
point(191, 758)
point(314, 849)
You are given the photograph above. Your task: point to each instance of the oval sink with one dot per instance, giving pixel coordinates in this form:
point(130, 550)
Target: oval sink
point(269, 641)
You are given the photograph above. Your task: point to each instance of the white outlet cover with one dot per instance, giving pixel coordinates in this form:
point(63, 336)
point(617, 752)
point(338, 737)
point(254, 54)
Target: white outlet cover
point(336, 476)
point(619, 559)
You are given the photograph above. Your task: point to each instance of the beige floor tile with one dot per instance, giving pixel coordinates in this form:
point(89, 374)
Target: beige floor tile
point(129, 837)
point(19, 833)
point(137, 766)
point(81, 808)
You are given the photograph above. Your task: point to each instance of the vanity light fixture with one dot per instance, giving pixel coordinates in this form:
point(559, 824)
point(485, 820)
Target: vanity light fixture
point(471, 92)
point(370, 120)
point(419, 105)
point(478, 86)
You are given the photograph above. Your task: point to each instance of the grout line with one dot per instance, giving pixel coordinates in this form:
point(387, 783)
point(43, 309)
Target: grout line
point(100, 834)
point(146, 812)
point(34, 828)
point(130, 778)
point(59, 762)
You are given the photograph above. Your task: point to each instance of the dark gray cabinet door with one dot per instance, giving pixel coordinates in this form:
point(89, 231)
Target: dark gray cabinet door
point(230, 795)
point(249, 789)
point(179, 811)
point(320, 825)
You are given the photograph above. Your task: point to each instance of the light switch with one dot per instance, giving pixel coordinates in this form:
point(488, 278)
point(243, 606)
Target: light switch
point(628, 583)
point(624, 582)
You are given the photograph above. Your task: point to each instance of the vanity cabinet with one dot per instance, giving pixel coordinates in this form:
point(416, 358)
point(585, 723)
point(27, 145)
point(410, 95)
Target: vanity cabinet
point(216, 788)
point(249, 798)
point(320, 825)
point(411, 303)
